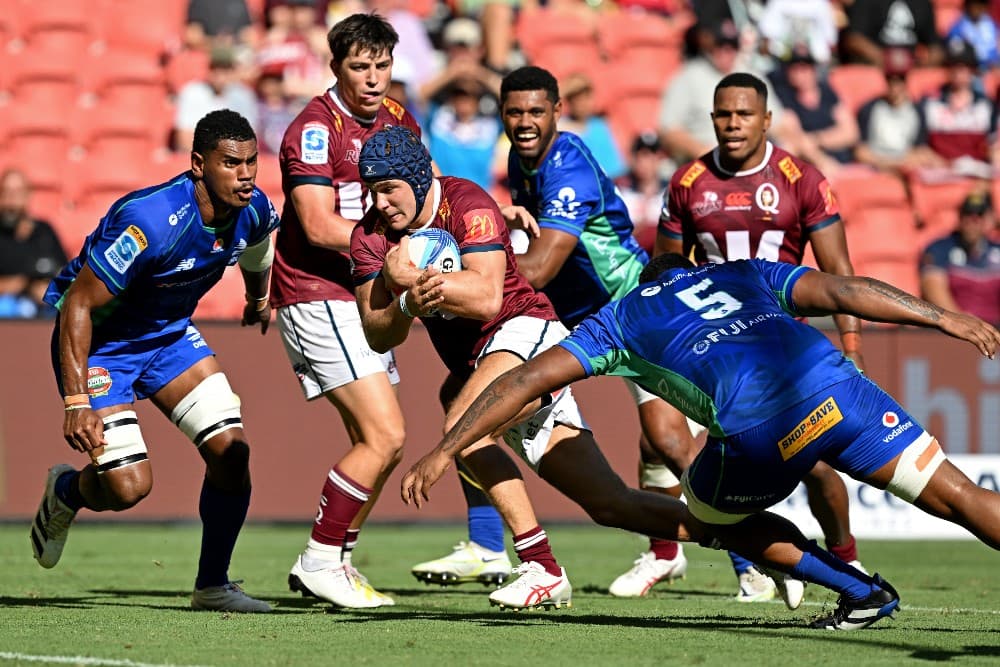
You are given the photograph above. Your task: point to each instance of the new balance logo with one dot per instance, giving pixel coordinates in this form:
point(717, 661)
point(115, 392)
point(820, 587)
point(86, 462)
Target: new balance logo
point(185, 264)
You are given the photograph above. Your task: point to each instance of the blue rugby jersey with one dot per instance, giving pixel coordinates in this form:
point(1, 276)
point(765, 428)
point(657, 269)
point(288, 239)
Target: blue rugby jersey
point(571, 193)
point(156, 257)
point(720, 342)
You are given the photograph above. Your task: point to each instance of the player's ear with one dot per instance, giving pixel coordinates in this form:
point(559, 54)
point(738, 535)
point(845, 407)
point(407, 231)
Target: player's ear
point(197, 164)
point(767, 120)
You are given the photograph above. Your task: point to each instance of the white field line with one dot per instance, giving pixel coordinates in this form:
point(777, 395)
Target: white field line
point(82, 660)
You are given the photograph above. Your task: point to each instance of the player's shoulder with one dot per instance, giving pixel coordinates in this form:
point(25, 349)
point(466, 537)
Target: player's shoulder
point(467, 211)
point(792, 168)
point(162, 205)
point(396, 114)
point(688, 173)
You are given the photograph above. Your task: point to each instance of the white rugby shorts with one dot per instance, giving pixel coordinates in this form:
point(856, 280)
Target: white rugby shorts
point(527, 337)
point(327, 348)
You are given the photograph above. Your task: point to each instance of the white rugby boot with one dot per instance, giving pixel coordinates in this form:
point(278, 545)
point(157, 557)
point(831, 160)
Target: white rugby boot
point(228, 597)
point(51, 525)
point(363, 580)
point(334, 583)
point(755, 586)
point(467, 563)
point(534, 588)
point(646, 572)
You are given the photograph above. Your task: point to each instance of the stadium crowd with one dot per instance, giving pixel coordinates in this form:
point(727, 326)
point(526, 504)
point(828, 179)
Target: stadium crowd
point(894, 100)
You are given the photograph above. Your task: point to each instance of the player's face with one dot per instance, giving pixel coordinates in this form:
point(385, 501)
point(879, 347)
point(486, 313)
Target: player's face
point(396, 203)
point(741, 123)
point(363, 80)
point(229, 171)
point(529, 120)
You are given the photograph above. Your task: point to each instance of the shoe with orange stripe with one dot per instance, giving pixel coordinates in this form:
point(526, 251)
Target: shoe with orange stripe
point(534, 588)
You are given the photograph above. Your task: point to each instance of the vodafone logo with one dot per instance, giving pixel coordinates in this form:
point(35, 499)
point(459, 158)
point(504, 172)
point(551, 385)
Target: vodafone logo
point(890, 419)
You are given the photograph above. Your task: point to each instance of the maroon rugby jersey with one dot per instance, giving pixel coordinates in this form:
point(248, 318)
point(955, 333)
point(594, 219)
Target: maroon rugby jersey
point(322, 146)
point(767, 212)
point(470, 215)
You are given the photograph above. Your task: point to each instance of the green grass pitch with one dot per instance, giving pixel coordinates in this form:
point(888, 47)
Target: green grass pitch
point(120, 598)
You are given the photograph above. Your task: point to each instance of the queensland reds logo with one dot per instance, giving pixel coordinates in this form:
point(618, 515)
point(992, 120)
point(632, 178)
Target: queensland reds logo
point(709, 204)
point(890, 419)
point(767, 199)
point(353, 155)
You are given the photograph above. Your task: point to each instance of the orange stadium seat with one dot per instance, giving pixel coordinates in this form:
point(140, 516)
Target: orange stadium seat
point(563, 59)
point(138, 109)
point(945, 17)
point(152, 28)
point(856, 190)
point(623, 31)
point(924, 81)
point(936, 204)
point(269, 179)
point(42, 106)
point(76, 223)
point(52, 54)
point(42, 156)
point(48, 203)
point(115, 67)
point(61, 14)
point(883, 244)
point(857, 84)
point(185, 66)
point(544, 29)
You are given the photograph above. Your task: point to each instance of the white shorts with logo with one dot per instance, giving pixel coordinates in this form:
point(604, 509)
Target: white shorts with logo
point(527, 337)
point(326, 345)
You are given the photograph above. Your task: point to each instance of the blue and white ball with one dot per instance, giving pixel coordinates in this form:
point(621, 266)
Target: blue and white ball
point(435, 247)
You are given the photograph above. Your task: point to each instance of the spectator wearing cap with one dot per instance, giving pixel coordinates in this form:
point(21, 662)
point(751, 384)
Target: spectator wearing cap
point(829, 130)
point(893, 135)
point(463, 139)
point(462, 41)
point(686, 104)
point(580, 116)
point(875, 25)
point(643, 186)
point(961, 271)
point(977, 27)
point(220, 89)
point(961, 121)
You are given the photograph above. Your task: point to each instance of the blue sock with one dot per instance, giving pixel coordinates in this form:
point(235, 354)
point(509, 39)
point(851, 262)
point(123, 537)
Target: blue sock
point(819, 566)
point(486, 527)
point(222, 516)
point(68, 490)
point(740, 564)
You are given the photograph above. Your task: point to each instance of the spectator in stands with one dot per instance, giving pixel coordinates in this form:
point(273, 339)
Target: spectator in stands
point(977, 27)
point(401, 87)
point(580, 116)
point(643, 186)
point(275, 112)
point(295, 47)
point(893, 135)
point(685, 110)
point(961, 271)
point(784, 23)
point(461, 138)
point(220, 90)
point(280, 13)
point(462, 40)
point(30, 253)
point(874, 25)
point(414, 44)
point(961, 121)
point(218, 23)
point(829, 129)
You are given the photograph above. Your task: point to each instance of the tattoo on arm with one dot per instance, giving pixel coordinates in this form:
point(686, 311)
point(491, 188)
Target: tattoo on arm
point(473, 414)
point(915, 305)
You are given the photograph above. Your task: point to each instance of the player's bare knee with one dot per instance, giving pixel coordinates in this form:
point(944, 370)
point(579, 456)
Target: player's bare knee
point(126, 486)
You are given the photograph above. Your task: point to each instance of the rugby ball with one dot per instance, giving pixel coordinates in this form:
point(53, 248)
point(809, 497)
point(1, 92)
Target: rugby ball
point(435, 247)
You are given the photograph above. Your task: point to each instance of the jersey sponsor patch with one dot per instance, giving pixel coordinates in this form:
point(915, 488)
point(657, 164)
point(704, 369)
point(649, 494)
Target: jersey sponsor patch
point(829, 201)
point(479, 224)
point(789, 169)
point(824, 417)
point(98, 381)
point(393, 107)
point(315, 143)
point(693, 172)
point(122, 253)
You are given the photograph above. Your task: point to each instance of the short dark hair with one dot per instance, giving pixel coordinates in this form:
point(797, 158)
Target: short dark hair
point(220, 125)
point(743, 80)
point(366, 33)
point(530, 78)
point(661, 263)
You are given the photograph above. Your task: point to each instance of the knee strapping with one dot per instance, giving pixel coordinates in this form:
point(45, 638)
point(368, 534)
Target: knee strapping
point(125, 444)
point(207, 410)
point(916, 465)
point(656, 475)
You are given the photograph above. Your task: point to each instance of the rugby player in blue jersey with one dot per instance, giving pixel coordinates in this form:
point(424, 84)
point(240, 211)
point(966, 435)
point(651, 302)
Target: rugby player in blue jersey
point(124, 333)
point(722, 343)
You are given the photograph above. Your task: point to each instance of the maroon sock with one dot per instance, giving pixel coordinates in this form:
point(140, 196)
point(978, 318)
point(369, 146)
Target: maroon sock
point(350, 541)
point(341, 501)
point(847, 551)
point(534, 546)
point(663, 549)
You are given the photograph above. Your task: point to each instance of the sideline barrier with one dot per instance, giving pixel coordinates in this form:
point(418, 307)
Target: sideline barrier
point(942, 382)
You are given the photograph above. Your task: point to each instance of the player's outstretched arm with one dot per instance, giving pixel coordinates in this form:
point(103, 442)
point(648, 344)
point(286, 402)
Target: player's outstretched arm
point(82, 428)
point(821, 294)
point(490, 413)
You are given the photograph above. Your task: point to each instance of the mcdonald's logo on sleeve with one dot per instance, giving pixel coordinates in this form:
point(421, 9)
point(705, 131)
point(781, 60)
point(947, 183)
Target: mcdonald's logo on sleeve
point(480, 223)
